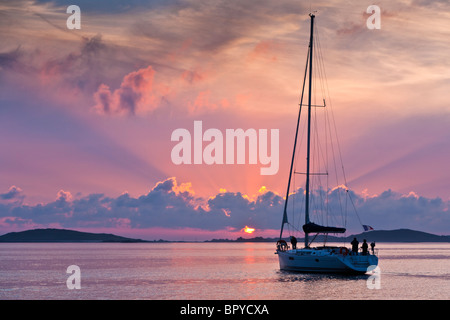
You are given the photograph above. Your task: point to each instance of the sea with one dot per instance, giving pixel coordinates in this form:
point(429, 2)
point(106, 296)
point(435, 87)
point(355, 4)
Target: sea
point(210, 271)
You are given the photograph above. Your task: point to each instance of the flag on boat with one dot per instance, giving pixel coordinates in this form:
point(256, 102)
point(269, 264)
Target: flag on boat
point(367, 228)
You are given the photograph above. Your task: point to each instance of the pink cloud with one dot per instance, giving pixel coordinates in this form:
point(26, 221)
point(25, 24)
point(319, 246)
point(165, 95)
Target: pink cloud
point(192, 76)
point(136, 94)
point(264, 50)
point(13, 196)
point(202, 102)
point(64, 195)
point(139, 94)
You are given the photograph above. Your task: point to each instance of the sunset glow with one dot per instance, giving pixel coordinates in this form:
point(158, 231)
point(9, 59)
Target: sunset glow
point(87, 115)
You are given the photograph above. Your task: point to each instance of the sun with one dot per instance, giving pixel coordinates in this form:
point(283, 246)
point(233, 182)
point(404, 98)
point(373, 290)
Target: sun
point(248, 229)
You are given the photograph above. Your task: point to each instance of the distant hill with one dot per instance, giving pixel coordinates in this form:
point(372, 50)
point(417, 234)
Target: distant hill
point(62, 235)
point(398, 235)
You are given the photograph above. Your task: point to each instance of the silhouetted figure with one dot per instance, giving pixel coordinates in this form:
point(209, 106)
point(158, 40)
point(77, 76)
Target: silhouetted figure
point(364, 247)
point(354, 244)
point(372, 245)
point(294, 242)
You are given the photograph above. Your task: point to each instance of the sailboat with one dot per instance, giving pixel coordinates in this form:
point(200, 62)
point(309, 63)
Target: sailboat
point(325, 258)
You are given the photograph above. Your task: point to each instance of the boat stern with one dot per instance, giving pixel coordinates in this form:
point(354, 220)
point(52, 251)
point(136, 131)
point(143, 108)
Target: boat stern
point(360, 263)
point(327, 260)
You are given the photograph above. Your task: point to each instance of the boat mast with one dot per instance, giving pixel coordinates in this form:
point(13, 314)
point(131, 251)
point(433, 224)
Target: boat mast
point(308, 60)
point(285, 219)
point(309, 127)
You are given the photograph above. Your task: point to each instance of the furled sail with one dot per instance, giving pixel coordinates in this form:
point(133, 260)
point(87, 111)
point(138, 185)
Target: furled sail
point(315, 228)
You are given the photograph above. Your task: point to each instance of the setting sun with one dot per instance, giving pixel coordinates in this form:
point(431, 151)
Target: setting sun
point(248, 229)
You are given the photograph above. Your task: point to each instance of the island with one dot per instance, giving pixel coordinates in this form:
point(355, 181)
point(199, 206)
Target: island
point(398, 235)
point(65, 235)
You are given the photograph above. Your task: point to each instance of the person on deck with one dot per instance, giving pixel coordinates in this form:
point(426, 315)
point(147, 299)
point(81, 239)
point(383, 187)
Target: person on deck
point(354, 244)
point(364, 247)
point(294, 242)
point(372, 245)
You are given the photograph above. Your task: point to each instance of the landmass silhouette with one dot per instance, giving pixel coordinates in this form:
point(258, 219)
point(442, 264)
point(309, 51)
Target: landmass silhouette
point(65, 235)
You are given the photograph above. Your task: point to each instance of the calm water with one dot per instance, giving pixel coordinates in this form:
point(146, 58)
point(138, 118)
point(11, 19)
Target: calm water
point(210, 271)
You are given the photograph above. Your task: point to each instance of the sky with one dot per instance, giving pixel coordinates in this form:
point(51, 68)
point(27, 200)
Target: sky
point(87, 115)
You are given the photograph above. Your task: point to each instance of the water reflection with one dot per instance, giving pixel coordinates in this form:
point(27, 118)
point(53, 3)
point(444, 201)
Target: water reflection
point(224, 271)
point(290, 276)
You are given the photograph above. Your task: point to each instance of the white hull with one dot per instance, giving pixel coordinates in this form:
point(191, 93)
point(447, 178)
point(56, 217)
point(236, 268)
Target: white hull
point(326, 261)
